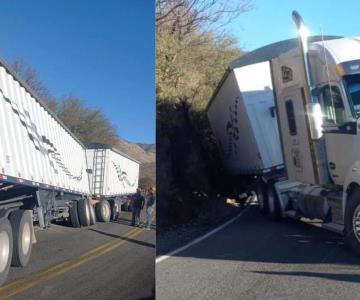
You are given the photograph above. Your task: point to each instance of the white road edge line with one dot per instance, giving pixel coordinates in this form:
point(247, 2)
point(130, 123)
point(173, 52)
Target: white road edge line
point(199, 239)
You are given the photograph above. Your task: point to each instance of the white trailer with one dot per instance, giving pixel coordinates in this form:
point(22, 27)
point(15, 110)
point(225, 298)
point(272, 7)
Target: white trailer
point(43, 171)
point(242, 117)
point(316, 84)
point(113, 178)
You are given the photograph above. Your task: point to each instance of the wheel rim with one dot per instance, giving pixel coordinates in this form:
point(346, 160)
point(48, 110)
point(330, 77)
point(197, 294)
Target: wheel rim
point(356, 223)
point(26, 238)
point(4, 250)
point(87, 211)
point(105, 211)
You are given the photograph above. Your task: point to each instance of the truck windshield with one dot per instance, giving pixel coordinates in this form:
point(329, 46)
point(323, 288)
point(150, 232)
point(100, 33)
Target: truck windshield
point(352, 83)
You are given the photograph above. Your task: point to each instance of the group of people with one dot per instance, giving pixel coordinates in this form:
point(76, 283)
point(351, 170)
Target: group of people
point(138, 204)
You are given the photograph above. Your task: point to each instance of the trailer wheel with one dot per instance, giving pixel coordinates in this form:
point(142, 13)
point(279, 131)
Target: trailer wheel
point(273, 203)
point(102, 210)
point(6, 249)
point(262, 197)
point(21, 224)
point(92, 214)
point(352, 221)
point(84, 212)
point(74, 216)
point(114, 210)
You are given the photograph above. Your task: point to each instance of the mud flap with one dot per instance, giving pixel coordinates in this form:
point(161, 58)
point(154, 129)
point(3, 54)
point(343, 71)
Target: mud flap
point(34, 241)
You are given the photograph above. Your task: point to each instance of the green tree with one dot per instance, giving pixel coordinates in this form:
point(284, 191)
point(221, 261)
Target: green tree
point(88, 124)
point(31, 77)
point(192, 53)
point(192, 50)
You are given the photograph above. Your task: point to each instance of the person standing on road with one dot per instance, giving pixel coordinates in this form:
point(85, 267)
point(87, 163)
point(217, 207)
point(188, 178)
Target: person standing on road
point(137, 206)
point(150, 205)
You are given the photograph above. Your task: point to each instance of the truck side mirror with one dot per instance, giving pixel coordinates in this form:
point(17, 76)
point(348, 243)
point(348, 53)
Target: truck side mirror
point(315, 120)
point(315, 92)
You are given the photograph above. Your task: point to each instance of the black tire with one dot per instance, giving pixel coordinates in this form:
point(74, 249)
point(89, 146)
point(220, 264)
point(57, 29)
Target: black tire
point(92, 214)
point(129, 205)
point(114, 210)
point(21, 223)
point(74, 216)
point(6, 240)
point(273, 203)
point(262, 197)
point(103, 211)
point(84, 212)
point(352, 233)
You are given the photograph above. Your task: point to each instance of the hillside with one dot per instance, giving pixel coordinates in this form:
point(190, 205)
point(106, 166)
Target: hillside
point(148, 147)
point(145, 157)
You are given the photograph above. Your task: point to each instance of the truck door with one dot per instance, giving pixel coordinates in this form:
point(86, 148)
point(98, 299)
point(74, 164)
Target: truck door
point(295, 136)
point(339, 132)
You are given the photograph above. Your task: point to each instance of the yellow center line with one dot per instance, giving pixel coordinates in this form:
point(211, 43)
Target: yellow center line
point(57, 266)
point(20, 285)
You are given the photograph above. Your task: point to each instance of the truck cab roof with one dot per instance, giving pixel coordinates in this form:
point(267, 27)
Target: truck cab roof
point(274, 50)
point(341, 49)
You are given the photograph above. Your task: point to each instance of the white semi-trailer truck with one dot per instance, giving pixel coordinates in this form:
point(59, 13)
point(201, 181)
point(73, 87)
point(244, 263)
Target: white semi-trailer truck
point(287, 115)
point(114, 177)
point(43, 171)
point(47, 174)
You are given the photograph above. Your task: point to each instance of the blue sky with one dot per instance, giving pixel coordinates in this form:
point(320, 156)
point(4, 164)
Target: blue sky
point(270, 21)
point(101, 51)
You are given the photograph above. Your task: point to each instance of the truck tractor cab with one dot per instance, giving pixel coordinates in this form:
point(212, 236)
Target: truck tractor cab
point(338, 91)
point(320, 129)
point(307, 91)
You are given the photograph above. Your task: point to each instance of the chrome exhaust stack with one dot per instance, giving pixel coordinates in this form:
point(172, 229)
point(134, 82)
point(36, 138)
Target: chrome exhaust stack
point(312, 103)
point(303, 35)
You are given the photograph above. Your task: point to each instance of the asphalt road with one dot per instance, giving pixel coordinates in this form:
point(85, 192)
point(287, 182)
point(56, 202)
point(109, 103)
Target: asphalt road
point(105, 261)
point(255, 258)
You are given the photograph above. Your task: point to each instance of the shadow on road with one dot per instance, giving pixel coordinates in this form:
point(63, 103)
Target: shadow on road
point(152, 297)
point(127, 222)
point(123, 221)
point(331, 276)
point(123, 238)
point(255, 238)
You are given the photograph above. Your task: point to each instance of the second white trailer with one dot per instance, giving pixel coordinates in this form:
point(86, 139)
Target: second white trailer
point(113, 173)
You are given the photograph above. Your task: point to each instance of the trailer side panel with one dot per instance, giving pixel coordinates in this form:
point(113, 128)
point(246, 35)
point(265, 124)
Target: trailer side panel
point(35, 148)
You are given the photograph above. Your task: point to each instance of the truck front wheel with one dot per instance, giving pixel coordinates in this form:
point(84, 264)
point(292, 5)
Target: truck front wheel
point(21, 224)
point(261, 195)
point(352, 221)
point(6, 249)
